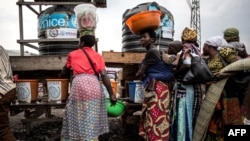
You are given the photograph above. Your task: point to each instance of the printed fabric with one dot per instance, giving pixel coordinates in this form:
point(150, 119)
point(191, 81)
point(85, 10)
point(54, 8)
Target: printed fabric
point(186, 104)
point(154, 125)
point(219, 102)
point(189, 34)
point(227, 110)
point(85, 112)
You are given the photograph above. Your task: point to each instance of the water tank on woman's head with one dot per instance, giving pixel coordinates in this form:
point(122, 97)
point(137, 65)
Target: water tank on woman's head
point(165, 33)
point(57, 22)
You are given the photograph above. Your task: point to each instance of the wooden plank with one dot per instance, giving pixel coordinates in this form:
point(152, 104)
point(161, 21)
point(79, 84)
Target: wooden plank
point(31, 63)
point(56, 62)
point(122, 57)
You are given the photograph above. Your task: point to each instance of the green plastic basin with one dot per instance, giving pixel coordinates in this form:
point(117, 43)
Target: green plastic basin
point(116, 110)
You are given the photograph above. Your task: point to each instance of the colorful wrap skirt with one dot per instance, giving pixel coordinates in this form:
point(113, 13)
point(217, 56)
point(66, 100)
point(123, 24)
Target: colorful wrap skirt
point(154, 125)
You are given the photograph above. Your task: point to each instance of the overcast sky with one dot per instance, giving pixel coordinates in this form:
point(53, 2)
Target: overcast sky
point(216, 15)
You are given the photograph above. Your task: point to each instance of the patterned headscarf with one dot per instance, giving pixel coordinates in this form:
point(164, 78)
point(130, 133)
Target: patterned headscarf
point(87, 32)
point(189, 34)
point(217, 41)
point(231, 34)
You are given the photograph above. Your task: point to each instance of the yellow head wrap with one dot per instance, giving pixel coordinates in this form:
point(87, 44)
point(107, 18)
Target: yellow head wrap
point(189, 34)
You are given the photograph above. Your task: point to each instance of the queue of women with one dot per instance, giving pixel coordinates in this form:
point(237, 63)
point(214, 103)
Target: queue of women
point(172, 110)
point(176, 111)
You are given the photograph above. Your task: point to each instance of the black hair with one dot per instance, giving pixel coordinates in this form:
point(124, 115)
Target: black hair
point(176, 46)
point(151, 33)
point(88, 40)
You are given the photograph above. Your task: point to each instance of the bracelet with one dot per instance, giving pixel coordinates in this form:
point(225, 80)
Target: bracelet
point(246, 121)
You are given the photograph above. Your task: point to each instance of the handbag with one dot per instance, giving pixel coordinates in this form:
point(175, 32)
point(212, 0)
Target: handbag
point(198, 72)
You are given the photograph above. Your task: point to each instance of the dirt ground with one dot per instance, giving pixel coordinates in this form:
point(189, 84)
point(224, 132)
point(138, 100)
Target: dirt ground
point(50, 131)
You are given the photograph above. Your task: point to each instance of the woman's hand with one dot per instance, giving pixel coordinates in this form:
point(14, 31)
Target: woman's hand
point(141, 71)
point(220, 75)
point(137, 74)
point(113, 100)
point(186, 51)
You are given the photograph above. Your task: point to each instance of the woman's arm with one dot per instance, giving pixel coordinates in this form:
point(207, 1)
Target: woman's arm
point(65, 72)
point(183, 68)
point(66, 68)
point(141, 71)
point(107, 84)
point(221, 75)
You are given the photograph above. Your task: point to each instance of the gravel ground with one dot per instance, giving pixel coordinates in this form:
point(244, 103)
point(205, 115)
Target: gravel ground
point(50, 131)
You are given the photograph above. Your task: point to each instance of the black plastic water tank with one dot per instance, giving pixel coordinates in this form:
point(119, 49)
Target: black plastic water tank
point(165, 33)
point(57, 22)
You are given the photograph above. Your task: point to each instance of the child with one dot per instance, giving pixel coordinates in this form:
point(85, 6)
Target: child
point(170, 56)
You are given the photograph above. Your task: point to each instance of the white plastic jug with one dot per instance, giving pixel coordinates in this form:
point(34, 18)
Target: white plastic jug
point(86, 16)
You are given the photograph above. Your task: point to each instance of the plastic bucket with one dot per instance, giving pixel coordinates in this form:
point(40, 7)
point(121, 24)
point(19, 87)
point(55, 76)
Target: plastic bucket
point(136, 91)
point(57, 89)
point(27, 90)
point(86, 16)
point(115, 110)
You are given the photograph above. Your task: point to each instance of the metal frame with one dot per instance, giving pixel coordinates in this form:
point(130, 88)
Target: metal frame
point(26, 42)
point(195, 19)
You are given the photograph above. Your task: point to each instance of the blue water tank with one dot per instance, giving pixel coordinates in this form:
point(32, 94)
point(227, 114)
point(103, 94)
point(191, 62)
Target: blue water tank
point(165, 33)
point(57, 22)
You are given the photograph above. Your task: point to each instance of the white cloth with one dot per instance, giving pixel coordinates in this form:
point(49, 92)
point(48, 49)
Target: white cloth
point(238, 45)
point(217, 41)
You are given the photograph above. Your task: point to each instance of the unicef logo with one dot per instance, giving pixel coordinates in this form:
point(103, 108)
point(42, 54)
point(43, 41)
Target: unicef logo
point(140, 93)
point(72, 22)
point(23, 92)
point(53, 32)
point(54, 92)
point(56, 20)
